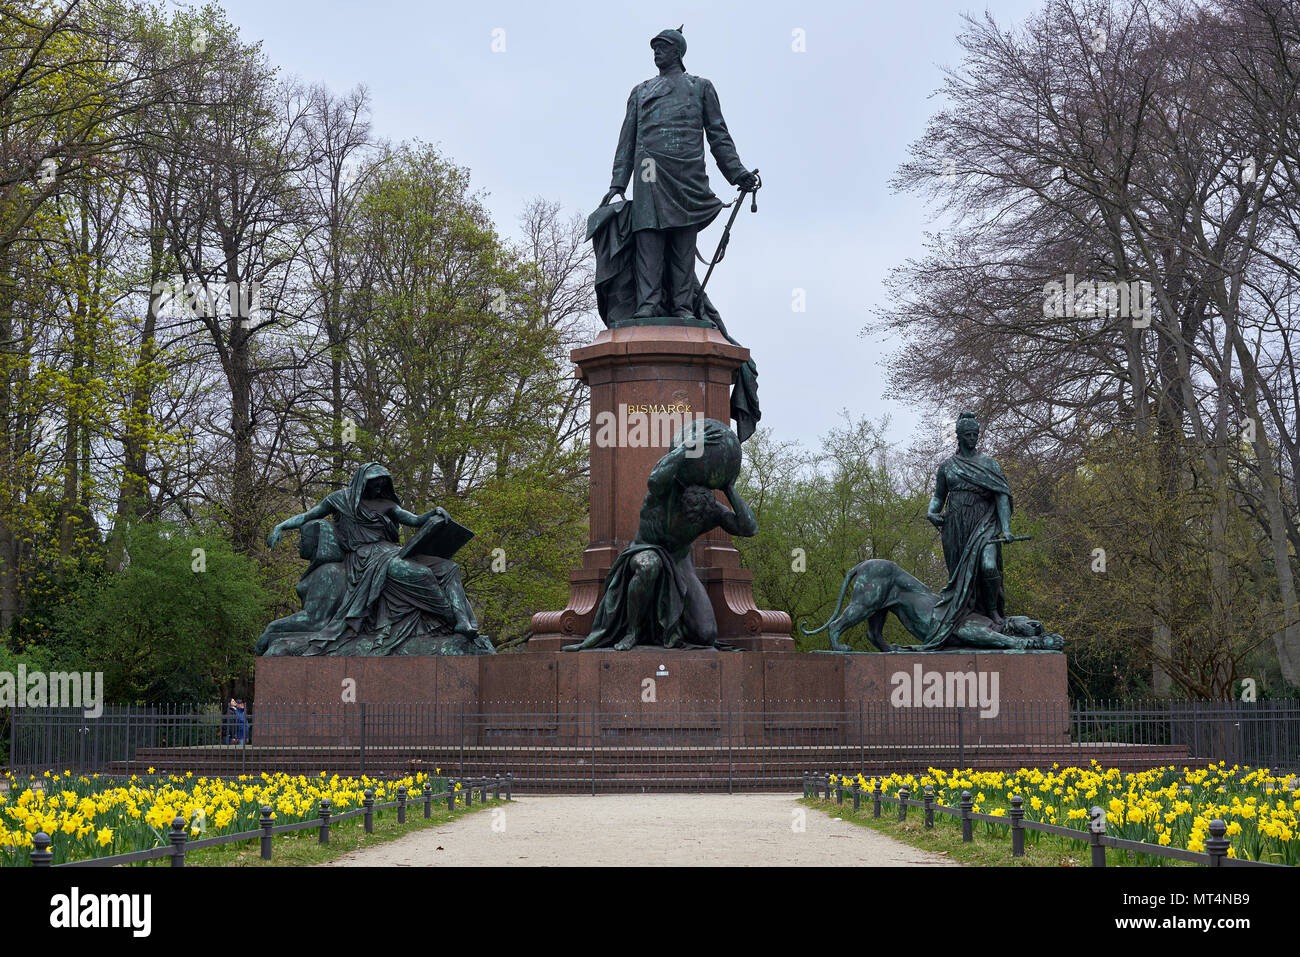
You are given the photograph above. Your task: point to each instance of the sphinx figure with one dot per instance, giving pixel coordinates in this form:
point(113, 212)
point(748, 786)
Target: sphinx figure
point(321, 588)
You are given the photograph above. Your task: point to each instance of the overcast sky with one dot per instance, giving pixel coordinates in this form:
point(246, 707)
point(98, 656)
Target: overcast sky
point(827, 126)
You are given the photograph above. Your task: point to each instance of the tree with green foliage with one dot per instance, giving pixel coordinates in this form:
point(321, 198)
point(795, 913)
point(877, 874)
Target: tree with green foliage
point(1116, 547)
point(176, 624)
point(821, 514)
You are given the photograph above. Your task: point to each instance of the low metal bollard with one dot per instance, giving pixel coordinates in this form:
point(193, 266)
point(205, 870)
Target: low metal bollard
point(1216, 845)
point(267, 823)
point(967, 833)
point(324, 820)
point(496, 793)
point(368, 802)
point(875, 811)
point(903, 793)
point(839, 792)
point(1017, 826)
point(428, 796)
point(1097, 831)
point(929, 808)
point(510, 778)
point(401, 804)
point(857, 798)
point(178, 838)
point(41, 854)
point(451, 795)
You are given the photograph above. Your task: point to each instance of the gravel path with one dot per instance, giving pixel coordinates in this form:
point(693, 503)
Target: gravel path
point(646, 829)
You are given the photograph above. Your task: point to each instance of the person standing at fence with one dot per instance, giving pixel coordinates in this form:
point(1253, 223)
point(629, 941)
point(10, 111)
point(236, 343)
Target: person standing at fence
point(241, 723)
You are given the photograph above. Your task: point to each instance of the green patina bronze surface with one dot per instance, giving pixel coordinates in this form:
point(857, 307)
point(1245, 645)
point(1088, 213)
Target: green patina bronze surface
point(645, 248)
point(652, 595)
point(971, 507)
point(880, 587)
point(364, 593)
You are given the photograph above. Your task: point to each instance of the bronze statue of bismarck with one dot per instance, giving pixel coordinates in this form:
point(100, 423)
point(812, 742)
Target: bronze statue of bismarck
point(662, 145)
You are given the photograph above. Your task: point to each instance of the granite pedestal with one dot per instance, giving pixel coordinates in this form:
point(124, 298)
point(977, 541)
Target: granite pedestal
point(643, 380)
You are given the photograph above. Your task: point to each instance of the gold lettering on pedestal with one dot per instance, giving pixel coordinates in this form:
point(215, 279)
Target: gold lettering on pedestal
point(676, 408)
point(644, 425)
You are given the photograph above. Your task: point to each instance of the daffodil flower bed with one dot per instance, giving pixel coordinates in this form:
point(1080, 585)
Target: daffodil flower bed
point(95, 816)
point(1165, 806)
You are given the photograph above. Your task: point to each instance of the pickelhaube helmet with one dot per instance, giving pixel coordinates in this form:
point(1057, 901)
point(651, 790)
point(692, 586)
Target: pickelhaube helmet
point(674, 37)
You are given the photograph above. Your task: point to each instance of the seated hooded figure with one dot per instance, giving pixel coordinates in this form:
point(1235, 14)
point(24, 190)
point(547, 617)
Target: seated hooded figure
point(321, 588)
point(394, 604)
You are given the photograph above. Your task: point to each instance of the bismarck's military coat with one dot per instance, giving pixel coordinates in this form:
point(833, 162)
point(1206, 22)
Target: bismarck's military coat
point(661, 149)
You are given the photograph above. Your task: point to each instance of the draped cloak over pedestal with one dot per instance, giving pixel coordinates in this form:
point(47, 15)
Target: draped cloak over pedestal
point(611, 233)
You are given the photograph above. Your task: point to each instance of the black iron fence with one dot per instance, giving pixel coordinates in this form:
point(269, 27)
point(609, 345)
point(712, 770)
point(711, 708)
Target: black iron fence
point(647, 746)
point(1216, 845)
